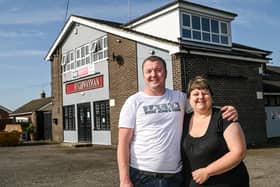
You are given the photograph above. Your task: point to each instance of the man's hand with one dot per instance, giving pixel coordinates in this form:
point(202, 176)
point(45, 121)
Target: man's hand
point(229, 113)
point(126, 184)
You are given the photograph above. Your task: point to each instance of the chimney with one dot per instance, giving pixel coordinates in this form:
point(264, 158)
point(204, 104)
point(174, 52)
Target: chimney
point(43, 94)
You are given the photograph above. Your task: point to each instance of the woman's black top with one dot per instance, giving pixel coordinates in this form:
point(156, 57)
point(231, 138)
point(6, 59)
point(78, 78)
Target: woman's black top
point(198, 152)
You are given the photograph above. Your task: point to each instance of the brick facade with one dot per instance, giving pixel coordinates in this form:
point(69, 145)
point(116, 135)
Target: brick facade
point(57, 129)
point(122, 77)
point(4, 119)
point(234, 83)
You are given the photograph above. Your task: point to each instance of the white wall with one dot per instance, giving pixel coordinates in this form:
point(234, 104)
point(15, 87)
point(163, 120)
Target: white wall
point(144, 51)
point(166, 26)
point(272, 121)
point(85, 35)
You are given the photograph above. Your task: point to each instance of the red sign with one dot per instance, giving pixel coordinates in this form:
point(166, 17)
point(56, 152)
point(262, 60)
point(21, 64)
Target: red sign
point(83, 71)
point(88, 84)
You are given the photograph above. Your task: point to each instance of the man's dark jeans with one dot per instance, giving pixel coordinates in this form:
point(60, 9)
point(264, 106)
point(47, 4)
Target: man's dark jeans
point(149, 179)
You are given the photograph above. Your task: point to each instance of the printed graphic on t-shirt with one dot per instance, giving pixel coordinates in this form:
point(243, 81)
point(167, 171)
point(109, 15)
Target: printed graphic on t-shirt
point(162, 108)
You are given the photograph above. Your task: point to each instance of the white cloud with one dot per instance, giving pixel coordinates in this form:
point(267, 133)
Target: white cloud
point(23, 53)
point(15, 34)
point(32, 16)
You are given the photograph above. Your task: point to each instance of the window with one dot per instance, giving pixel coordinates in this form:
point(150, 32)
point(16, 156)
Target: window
point(68, 61)
point(272, 100)
point(204, 29)
point(82, 55)
point(69, 117)
point(101, 115)
point(99, 50)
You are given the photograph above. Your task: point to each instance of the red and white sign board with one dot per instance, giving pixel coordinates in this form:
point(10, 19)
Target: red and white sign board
point(83, 85)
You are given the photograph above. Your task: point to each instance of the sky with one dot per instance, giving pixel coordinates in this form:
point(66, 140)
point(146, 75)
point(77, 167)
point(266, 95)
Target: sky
point(28, 28)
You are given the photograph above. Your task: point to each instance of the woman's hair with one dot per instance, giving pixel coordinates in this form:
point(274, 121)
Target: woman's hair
point(199, 82)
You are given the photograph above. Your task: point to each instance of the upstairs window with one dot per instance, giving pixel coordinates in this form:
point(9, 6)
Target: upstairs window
point(68, 61)
point(99, 49)
point(82, 55)
point(204, 29)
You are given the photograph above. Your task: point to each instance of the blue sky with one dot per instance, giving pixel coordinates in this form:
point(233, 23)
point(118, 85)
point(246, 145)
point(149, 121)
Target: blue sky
point(28, 28)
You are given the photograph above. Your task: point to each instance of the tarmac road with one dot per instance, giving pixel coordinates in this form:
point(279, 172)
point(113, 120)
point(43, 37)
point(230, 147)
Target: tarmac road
point(58, 166)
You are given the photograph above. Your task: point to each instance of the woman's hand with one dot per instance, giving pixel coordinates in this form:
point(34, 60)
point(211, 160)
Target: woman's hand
point(200, 175)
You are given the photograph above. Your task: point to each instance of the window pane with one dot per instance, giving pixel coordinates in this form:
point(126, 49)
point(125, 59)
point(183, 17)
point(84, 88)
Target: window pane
point(186, 33)
point(186, 20)
point(206, 36)
point(196, 22)
point(87, 60)
point(82, 51)
point(72, 56)
point(87, 50)
point(197, 35)
point(224, 28)
point(205, 24)
point(63, 59)
point(214, 26)
point(224, 39)
point(78, 53)
point(105, 42)
point(215, 38)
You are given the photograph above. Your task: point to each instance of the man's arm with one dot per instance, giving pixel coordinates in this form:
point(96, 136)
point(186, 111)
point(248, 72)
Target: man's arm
point(123, 156)
point(229, 113)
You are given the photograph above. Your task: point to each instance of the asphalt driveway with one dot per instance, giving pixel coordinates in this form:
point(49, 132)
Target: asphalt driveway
point(58, 166)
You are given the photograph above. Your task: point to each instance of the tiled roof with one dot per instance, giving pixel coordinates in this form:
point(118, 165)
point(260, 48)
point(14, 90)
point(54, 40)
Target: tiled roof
point(271, 82)
point(271, 86)
point(32, 106)
point(5, 109)
point(273, 69)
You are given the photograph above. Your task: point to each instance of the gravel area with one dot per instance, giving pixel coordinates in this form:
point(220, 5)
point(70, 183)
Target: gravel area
point(57, 165)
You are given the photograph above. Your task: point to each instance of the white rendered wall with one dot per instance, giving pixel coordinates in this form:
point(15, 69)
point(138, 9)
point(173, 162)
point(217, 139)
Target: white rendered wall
point(101, 137)
point(144, 51)
point(166, 26)
point(70, 136)
point(272, 121)
point(85, 35)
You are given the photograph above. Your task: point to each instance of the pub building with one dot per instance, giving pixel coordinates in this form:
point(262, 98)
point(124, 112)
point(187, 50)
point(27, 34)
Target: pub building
point(97, 64)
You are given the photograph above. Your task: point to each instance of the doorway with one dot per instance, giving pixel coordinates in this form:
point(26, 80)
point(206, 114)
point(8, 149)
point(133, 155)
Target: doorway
point(84, 123)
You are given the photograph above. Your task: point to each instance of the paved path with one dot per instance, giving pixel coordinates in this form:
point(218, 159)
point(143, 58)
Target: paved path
point(59, 166)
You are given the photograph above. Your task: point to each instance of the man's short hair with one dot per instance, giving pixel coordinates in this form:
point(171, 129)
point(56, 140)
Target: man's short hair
point(155, 58)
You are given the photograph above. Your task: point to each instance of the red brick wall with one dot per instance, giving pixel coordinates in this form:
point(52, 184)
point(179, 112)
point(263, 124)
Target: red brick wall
point(57, 129)
point(234, 83)
point(122, 77)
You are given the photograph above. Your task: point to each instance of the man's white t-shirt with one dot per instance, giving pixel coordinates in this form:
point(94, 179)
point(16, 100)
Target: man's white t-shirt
point(157, 123)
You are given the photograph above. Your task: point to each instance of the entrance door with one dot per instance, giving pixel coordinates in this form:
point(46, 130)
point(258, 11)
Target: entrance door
point(47, 126)
point(84, 122)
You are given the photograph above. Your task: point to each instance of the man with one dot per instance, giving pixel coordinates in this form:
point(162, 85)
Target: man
point(150, 129)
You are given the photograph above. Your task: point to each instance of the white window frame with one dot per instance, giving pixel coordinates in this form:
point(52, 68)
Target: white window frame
point(83, 55)
point(191, 29)
point(67, 62)
point(99, 49)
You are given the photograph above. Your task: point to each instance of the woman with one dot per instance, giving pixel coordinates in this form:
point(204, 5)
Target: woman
point(212, 148)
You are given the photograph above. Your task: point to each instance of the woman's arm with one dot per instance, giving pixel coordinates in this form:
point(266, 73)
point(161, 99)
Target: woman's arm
point(123, 155)
point(236, 143)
